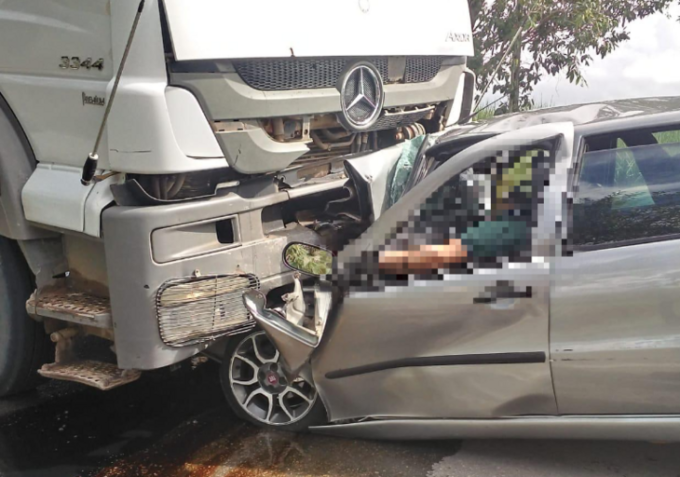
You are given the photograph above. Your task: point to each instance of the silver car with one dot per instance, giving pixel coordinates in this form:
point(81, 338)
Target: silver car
point(560, 318)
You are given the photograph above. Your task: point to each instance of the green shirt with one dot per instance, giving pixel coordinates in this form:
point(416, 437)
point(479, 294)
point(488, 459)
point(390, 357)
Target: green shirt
point(495, 238)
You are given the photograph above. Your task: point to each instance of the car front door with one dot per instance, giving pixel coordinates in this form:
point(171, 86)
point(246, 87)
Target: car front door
point(467, 339)
point(615, 310)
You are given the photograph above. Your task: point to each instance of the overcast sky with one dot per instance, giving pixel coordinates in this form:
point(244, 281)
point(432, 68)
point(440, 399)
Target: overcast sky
point(647, 65)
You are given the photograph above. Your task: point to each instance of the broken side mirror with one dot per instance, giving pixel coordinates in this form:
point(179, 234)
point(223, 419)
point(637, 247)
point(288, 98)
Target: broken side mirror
point(308, 259)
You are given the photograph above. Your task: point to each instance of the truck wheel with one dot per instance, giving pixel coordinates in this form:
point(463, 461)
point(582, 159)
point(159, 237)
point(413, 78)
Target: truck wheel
point(258, 391)
point(24, 346)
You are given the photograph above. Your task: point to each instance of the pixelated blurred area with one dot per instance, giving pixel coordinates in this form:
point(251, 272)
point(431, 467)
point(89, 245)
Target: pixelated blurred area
point(482, 218)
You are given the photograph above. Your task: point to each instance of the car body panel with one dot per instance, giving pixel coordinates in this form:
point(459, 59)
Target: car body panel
point(633, 428)
point(591, 118)
point(294, 342)
point(615, 330)
point(435, 321)
point(371, 175)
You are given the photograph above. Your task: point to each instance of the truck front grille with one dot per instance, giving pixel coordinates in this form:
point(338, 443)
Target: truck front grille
point(313, 73)
point(421, 69)
point(390, 120)
point(195, 310)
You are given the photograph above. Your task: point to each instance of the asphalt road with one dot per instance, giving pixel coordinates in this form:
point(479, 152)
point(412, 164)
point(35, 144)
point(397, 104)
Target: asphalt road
point(179, 426)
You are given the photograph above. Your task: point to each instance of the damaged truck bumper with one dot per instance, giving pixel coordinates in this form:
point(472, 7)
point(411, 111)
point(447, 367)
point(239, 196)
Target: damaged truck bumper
point(174, 296)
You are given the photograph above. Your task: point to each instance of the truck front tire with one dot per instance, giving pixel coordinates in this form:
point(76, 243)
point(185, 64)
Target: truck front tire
point(24, 346)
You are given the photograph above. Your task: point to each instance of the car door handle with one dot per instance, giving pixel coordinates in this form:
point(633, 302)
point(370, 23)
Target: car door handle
point(504, 295)
point(503, 304)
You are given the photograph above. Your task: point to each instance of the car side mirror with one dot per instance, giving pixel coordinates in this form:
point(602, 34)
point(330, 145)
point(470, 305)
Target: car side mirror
point(308, 259)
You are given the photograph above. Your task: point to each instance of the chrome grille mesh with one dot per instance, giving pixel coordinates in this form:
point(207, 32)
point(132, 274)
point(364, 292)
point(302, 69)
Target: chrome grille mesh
point(312, 73)
point(404, 118)
point(194, 310)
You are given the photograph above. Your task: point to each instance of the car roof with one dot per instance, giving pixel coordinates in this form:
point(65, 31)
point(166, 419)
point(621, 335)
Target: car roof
point(581, 115)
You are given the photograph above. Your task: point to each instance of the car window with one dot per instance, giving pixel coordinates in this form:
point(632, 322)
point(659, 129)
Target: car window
point(667, 137)
point(428, 162)
point(627, 176)
point(629, 193)
point(498, 214)
point(491, 208)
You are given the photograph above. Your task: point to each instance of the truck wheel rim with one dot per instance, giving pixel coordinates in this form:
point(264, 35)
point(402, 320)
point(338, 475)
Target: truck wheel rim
point(260, 387)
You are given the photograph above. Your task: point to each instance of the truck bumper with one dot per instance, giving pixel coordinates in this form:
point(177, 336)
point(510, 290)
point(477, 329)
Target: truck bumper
point(146, 247)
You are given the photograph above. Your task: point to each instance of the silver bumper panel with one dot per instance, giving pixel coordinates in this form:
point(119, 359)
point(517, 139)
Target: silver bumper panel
point(135, 276)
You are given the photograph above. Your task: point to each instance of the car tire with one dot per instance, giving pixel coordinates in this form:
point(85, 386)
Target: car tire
point(252, 381)
point(24, 345)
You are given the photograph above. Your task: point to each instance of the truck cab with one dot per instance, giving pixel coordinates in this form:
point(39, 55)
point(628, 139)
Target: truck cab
point(226, 141)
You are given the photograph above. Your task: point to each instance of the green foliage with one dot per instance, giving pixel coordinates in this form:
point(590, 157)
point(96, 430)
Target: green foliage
point(489, 111)
point(556, 36)
point(626, 172)
point(667, 137)
point(484, 114)
point(309, 259)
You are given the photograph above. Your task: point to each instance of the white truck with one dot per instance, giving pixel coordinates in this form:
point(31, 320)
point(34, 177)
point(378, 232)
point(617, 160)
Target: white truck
point(225, 141)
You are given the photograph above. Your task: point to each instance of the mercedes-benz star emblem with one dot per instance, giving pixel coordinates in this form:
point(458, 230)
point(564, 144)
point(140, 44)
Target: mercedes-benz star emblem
point(361, 96)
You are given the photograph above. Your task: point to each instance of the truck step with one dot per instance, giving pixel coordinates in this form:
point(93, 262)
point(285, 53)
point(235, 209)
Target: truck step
point(103, 376)
point(68, 305)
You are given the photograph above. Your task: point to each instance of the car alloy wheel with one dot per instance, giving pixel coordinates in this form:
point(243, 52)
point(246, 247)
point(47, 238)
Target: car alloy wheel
point(260, 387)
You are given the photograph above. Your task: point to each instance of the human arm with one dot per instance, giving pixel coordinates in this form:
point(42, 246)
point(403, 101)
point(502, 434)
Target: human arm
point(486, 239)
point(423, 258)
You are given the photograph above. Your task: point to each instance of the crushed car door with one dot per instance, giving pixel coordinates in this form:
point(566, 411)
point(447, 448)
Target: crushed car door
point(467, 338)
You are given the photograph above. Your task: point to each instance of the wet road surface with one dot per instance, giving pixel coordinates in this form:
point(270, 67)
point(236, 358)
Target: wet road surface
point(179, 426)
